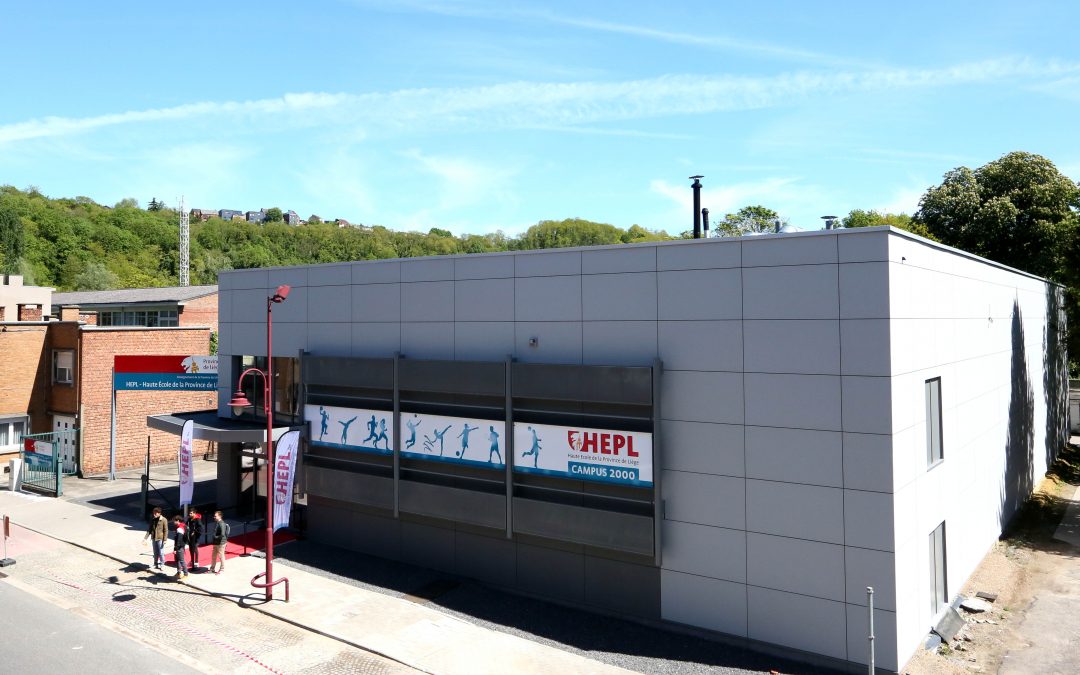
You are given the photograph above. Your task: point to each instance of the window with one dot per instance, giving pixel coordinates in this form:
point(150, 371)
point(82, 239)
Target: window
point(10, 432)
point(934, 453)
point(63, 366)
point(151, 318)
point(939, 595)
point(286, 386)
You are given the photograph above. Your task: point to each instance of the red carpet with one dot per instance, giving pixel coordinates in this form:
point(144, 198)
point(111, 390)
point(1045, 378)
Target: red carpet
point(254, 540)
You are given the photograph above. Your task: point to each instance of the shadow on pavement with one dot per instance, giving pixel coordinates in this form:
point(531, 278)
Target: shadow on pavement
point(579, 630)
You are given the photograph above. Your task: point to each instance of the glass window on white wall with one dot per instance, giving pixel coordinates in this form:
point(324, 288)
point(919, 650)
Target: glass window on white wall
point(939, 594)
point(934, 452)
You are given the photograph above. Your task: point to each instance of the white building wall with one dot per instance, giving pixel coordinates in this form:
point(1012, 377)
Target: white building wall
point(984, 330)
point(794, 448)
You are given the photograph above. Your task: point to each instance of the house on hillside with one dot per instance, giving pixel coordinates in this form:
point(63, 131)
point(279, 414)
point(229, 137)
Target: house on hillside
point(203, 214)
point(256, 216)
point(291, 218)
point(230, 214)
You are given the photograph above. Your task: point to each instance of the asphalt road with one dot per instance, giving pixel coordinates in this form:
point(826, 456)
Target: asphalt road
point(40, 637)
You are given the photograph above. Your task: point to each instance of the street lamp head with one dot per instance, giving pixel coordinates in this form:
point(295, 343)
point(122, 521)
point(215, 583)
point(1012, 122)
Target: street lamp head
point(281, 293)
point(238, 403)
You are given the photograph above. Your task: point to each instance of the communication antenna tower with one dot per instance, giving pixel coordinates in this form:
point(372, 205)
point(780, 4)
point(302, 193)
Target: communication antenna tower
point(185, 263)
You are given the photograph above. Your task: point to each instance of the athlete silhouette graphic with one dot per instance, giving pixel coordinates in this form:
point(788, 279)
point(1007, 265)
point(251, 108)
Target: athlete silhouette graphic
point(325, 419)
point(345, 428)
point(412, 424)
point(535, 449)
point(464, 436)
point(493, 436)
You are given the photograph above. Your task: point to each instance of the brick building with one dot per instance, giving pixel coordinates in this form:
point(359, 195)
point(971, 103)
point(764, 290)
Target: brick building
point(57, 375)
point(169, 306)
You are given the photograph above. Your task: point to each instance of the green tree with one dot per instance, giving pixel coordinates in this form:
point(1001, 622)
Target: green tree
point(155, 205)
point(901, 221)
point(747, 220)
point(1018, 210)
point(128, 203)
point(95, 277)
point(274, 215)
point(12, 240)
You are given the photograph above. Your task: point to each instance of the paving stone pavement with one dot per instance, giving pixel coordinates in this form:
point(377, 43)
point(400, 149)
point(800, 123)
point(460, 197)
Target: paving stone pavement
point(211, 634)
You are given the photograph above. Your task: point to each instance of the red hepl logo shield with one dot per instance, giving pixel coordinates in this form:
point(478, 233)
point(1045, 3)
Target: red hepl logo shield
point(574, 439)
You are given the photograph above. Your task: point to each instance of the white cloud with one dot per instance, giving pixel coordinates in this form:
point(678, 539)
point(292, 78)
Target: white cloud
point(517, 105)
point(904, 200)
point(463, 181)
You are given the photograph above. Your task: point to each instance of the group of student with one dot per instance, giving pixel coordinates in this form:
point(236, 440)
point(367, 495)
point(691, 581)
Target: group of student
point(185, 537)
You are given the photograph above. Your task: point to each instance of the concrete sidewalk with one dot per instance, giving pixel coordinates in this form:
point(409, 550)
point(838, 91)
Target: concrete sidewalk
point(412, 634)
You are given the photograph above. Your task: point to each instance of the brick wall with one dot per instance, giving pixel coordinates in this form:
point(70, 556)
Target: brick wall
point(23, 366)
point(201, 312)
point(132, 407)
point(61, 398)
point(29, 312)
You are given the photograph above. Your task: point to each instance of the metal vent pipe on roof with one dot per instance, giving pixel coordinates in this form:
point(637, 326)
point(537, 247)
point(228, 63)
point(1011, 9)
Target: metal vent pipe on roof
point(705, 222)
point(696, 186)
point(830, 222)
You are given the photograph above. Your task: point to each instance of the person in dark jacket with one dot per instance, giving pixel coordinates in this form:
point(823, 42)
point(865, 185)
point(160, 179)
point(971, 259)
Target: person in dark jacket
point(219, 539)
point(179, 539)
point(157, 533)
point(194, 526)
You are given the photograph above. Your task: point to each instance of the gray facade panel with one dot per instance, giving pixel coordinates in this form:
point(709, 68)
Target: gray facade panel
point(702, 397)
point(547, 299)
point(376, 339)
point(427, 546)
point(427, 269)
point(715, 254)
point(622, 587)
point(376, 272)
point(490, 559)
point(619, 297)
point(330, 275)
point(428, 340)
point(555, 342)
point(376, 302)
point(483, 340)
point(484, 267)
point(551, 573)
point(704, 448)
point(701, 345)
point(484, 300)
point(330, 303)
point(547, 263)
point(613, 260)
point(700, 294)
point(797, 292)
point(623, 343)
point(427, 301)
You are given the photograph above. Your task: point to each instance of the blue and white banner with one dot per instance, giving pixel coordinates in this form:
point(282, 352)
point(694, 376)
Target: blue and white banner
point(284, 477)
point(187, 479)
point(599, 455)
point(351, 428)
point(460, 440)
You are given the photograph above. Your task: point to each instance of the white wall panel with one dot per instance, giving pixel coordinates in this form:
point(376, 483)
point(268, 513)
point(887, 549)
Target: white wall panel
point(789, 250)
point(700, 294)
point(701, 345)
point(706, 603)
point(795, 455)
point(704, 499)
point(713, 552)
point(793, 401)
point(702, 397)
point(795, 565)
point(703, 448)
point(799, 621)
point(793, 510)
point(798, 292)
point(622, 343)
point(808, 346)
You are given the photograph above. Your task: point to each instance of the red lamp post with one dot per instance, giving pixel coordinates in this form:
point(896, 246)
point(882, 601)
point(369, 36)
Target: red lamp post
point(238, 403)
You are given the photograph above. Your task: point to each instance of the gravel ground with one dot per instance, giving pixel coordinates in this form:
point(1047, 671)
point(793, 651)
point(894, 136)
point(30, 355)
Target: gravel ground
point(613, 641)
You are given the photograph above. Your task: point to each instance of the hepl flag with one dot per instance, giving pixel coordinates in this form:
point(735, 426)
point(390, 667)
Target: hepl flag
point(187, 479)
point(284, 474)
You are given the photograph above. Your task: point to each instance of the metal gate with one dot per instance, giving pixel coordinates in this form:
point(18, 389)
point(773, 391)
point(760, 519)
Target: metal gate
point(43, 465)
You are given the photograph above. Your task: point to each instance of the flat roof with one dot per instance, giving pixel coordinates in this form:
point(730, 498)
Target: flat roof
point(133, 296)
point(208, 426)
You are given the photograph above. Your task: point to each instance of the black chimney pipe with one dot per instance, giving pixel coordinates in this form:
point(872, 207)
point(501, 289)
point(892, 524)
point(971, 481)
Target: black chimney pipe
point(705, 222)
point(697, 205)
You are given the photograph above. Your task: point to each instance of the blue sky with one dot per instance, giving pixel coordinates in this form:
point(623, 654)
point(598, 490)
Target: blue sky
point(476, 115)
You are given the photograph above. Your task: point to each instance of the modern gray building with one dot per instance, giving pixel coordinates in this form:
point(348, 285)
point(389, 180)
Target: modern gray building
point(733, 435)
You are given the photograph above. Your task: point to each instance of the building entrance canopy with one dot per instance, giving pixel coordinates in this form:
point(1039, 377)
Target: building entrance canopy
point(208, 426)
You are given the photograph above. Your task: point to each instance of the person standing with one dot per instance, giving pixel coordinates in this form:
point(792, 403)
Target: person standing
point(179, 544)
point(157, 533)
point(194, 526)
point(219, 539)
